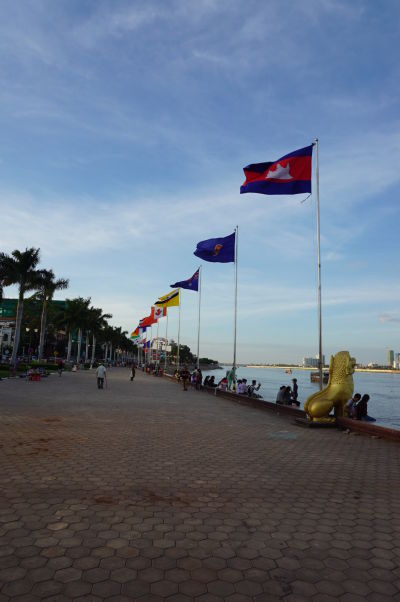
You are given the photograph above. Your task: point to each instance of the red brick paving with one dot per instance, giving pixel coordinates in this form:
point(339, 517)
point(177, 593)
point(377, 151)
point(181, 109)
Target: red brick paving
point(145, 492)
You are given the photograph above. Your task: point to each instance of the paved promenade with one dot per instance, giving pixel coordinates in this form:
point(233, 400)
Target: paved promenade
point(145, 492)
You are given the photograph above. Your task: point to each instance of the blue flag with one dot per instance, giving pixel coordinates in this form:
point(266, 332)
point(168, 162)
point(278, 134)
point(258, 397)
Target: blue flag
point(217, 250)
point(191, 283)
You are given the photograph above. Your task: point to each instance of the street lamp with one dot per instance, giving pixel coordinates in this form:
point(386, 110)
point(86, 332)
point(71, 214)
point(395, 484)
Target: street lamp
point(35, 330)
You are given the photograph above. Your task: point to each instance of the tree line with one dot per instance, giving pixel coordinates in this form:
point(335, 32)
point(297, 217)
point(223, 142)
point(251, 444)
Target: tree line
point(20, 268)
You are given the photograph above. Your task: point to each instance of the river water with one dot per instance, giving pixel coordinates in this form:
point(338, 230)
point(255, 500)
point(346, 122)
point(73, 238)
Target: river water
point(383, 389)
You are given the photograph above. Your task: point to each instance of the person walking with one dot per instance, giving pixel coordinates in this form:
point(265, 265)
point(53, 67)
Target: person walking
point(133, 372)
point(101, 374)
point(59, 367)
point(185, 376)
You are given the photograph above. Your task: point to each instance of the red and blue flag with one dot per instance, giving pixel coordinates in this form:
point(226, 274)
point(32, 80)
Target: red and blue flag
point(290, 174)
point(191, 283)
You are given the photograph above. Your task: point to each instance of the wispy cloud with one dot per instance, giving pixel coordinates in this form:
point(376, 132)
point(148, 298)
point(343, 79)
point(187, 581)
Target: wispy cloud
point(384, 318)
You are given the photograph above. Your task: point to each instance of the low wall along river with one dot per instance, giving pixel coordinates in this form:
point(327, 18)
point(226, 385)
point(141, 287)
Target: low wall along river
point(383, 388)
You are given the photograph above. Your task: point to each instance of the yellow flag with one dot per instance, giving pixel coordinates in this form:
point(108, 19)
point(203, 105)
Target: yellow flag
point(169, 300)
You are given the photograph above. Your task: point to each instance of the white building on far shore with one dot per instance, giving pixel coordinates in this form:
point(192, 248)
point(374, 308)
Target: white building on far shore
point(313, 362)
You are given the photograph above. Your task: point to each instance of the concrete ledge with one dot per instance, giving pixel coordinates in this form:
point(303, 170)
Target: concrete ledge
point(365, 428)
point(369, 428)
point(261, 404)
point(253, 402)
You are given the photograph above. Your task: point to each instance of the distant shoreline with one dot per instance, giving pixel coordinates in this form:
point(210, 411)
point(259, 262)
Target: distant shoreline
point(375, 370)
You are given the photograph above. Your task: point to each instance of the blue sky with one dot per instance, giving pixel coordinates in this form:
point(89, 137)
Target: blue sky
point(126, 125)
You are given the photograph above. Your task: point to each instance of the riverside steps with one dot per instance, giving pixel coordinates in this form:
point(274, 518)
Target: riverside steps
point(145, 492)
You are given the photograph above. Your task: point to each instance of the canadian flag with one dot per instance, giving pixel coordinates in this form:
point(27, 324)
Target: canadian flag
point(159, 312)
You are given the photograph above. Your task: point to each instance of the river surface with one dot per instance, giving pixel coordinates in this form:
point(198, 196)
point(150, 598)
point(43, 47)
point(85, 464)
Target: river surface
point(383, 389)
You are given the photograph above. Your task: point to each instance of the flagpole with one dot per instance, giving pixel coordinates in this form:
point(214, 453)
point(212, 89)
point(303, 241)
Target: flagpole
point(198, 329)
point(157, 360)
point(235, 320)
point(166, 344)
point(179, 329)
point(320, 359)
point(151, 345)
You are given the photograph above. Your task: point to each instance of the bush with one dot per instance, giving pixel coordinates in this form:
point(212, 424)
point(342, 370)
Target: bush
point(45, 366)
point(9, 368)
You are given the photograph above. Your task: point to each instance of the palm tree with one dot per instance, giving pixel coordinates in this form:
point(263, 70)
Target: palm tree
point(97, 322)
point(48, 286)
point(20, 268)
point(73, 318)
point(107, 335)
point(82, 322)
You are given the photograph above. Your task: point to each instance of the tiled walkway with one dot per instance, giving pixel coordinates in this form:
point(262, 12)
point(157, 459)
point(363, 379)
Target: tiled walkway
point(145, 492)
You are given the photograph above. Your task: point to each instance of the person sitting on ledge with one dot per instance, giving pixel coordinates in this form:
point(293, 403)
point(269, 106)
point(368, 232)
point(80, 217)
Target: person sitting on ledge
point(280, 396)
point(350, 407)
point(206, 381)
point(362, 410)
point(211, 382)
point(242, 387)
point(287, 396)
point(223, 384)
point(251, 389)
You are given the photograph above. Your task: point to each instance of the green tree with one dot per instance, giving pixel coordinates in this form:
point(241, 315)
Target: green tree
point(48, 286)
point(185, 355)
point(73, 318)
point(19, 268)
point(97, 321)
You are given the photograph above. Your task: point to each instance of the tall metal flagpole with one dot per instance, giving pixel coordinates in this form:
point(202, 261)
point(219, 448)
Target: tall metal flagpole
point(198, 328)
point(235, 320)
point(166, 344)
point(320, 358)
point(150, 355)
point(179, 329)
point(157, 360)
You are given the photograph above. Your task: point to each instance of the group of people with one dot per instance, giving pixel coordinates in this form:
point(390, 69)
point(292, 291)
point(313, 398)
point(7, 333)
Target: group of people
point(227, 383)
point(195, 378)
point(357, 408)
point(288, 395)
point(240, 387)
point(243, 388)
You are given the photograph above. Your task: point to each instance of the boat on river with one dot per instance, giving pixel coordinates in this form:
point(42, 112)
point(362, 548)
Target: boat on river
point(314, 377)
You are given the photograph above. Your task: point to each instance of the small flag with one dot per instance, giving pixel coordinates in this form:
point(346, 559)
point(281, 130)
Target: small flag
point(169, 300)
point(290, 174)
point(159, 312)
point(148, 320)
point(135, 334)
point(217, 250)
point(191, 283)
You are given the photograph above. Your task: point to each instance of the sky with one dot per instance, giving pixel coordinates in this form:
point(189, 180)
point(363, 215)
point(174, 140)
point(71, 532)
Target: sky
point(125, 127)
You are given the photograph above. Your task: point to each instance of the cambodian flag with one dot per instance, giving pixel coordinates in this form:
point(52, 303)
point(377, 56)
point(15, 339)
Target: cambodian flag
point(290, 174)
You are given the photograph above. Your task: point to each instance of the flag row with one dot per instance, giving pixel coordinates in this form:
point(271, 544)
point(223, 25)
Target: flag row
point(291, 174)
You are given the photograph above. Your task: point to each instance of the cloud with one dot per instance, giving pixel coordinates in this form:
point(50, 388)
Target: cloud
point(388, 318)
point(105, 23)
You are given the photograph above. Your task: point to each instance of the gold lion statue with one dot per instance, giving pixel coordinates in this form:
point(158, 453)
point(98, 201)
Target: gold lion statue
point(339, 389)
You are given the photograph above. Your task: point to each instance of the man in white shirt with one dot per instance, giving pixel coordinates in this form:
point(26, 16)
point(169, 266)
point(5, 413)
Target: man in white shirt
point(101, 375)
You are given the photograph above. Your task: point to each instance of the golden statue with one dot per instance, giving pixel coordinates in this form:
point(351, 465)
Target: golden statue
point(338, 390)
